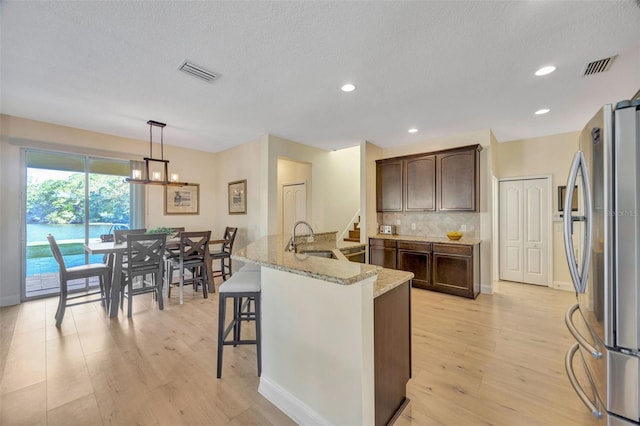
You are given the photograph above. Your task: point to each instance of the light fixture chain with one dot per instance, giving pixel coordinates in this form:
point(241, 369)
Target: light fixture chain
point(150, 141)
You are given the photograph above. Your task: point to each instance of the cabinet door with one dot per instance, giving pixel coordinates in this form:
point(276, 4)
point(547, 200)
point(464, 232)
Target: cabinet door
point(458, 180)
point(453, 274)
point(389, 186)
point(420, 184)
point(382, 256)
point(419, 263)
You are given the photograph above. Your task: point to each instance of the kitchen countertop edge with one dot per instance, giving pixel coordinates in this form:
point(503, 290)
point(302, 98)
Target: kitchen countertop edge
point(417, 238)
point(388, 279)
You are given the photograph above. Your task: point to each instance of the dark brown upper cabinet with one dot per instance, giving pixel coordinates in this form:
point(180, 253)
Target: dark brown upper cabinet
point(458, 180)
point(389, 185)
point(420, 184)
point(446, 180)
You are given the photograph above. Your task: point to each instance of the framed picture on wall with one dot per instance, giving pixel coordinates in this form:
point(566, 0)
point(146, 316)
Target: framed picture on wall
point(562, 192)
point(238, 197)
point(182, 199)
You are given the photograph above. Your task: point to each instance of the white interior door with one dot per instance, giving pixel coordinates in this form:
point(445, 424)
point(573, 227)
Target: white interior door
point(294, 199)
point(536, 231)
point(511, 239)
point(524, 230)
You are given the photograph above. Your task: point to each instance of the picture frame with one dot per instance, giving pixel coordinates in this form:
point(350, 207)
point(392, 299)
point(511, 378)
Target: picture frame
point(182, 199)
point(238, 197)
point(562, 190)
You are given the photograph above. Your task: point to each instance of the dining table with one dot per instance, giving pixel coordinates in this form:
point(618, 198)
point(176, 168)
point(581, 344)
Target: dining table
point(118, 250)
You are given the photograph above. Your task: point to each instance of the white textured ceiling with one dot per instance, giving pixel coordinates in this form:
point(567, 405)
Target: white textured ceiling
point(444, 67)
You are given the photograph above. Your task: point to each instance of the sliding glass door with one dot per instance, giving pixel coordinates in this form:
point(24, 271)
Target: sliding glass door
point(75, 198)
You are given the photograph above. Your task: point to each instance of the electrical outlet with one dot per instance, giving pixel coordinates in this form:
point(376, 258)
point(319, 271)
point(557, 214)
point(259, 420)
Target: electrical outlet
point(413, 226)
point(398, 222)
point(463, 228)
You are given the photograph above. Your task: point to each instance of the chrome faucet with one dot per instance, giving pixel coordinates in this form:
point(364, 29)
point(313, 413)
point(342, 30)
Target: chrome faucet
point(292, 243)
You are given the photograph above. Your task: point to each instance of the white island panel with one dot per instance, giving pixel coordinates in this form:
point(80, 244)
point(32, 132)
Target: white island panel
point(317, 348)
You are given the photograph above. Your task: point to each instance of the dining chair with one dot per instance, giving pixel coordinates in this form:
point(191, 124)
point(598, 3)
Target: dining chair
point(192, 257)
point(175, 233)
point(100, 270)
point(145, 257)
point(224, 255)
point(120, 235)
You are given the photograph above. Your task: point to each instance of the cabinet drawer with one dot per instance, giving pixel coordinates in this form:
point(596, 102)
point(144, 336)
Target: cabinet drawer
point(415, 246)
point(381, 242)
point(453, 249)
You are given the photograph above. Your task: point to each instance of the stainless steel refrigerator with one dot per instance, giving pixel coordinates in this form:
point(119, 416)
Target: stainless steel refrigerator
point(601, 221)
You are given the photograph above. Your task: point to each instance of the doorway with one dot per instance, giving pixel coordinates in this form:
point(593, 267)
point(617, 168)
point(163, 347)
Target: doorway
point(524, 220)
point(294, 204)
point(75, 198)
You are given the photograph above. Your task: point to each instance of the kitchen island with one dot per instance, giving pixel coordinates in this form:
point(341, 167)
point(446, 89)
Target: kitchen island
point(336, 342)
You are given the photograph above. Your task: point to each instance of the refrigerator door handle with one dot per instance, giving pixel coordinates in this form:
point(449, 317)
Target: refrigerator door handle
point(579, 278)
point(568, 365)
point(568, 320)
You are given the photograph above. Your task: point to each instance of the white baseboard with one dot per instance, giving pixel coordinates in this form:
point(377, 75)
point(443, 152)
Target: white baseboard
point(486, 289)
point(297, 410)
point(563, 285)
point(9, 300)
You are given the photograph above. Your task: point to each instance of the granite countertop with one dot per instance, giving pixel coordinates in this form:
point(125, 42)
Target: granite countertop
point(271, 252)
point(440, 240)
point(388, 279)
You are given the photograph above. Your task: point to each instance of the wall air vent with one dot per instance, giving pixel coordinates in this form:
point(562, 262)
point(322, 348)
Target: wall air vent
point(196, 71)
point(596, 67)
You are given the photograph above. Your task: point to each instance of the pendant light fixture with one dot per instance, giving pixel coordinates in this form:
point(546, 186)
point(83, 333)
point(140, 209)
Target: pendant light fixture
point(156, 170)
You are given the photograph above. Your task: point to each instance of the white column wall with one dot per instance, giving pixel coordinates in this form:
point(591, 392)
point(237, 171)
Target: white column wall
point(317, 348)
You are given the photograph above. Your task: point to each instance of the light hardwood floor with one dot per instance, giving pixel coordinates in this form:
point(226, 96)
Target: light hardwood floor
point(497, 360)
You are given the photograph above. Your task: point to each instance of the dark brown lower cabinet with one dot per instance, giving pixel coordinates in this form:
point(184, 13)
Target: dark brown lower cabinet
point(456, 270)
point(416, 257)
point(382, 252)
point(392, 351)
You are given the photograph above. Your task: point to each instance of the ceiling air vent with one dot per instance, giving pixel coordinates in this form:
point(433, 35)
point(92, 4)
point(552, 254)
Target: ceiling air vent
point(196, 71)
point(601, 65)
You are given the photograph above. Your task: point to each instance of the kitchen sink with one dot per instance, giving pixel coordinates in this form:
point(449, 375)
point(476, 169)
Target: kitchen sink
point(326, 254)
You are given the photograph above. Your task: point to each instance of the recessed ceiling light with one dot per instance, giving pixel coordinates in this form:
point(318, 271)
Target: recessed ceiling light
point(542, 111)
point(348, 87)
point(413, 130)
point(546, 70)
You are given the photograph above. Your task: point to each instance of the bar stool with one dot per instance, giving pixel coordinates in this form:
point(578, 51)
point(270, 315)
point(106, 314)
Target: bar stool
point(244, 284)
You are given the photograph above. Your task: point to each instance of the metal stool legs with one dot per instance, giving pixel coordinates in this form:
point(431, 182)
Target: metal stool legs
point(239, 314)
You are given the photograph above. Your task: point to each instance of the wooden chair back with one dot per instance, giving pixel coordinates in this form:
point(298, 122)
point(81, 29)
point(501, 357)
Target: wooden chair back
point(194, 245)
point(120, 235)
point(145, 253)
point(230, 237)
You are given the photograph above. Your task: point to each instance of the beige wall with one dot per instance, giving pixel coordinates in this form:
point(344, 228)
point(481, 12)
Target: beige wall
point(368, 214)
point(334, 177)
point(550, 155)
point(283, 148)
point(339, 189)
point(290, 172)
point(238, 163)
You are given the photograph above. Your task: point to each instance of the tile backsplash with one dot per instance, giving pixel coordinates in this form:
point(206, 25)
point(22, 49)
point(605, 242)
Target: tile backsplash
point(432, 224)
